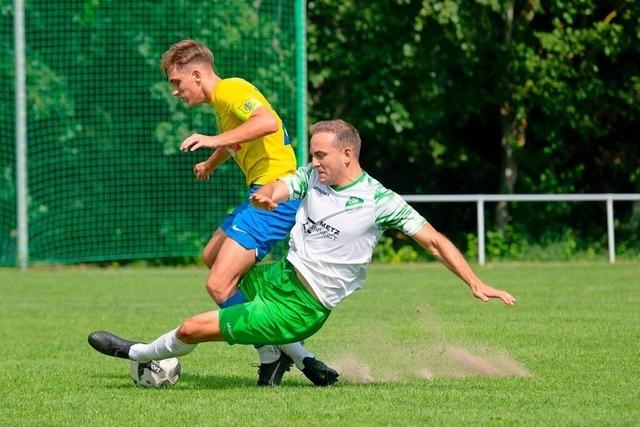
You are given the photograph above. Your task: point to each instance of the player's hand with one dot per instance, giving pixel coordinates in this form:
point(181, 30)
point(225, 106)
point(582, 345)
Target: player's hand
point(202, 171)
point(484, 293)
point(261, 201)
point(197, 140)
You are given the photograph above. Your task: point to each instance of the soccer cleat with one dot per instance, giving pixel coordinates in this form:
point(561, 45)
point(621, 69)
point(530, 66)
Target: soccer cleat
point(109, 344)
point(319, 373)
point(270, 374)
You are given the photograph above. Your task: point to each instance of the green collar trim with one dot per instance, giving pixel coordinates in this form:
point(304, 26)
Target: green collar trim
point(362, 176)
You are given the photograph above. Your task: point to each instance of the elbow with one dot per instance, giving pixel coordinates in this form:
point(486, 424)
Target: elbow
point(433, 246)
point(265, 122)
point(271, 125)
point(434, 251)
point(269, 122)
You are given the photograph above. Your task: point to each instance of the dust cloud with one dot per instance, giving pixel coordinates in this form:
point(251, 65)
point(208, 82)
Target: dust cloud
point(445, 361)
point(379, 358)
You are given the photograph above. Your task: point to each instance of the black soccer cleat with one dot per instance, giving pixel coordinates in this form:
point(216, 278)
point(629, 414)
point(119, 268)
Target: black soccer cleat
point(270, 374)
point(319, 373)
point(109, 344)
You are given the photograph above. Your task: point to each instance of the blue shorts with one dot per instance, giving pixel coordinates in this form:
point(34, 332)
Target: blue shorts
point(259, 229)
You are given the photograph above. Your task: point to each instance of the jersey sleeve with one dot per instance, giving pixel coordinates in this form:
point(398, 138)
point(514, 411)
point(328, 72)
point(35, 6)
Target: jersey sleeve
point(246, 107)
point(298, 182)
point(393, 212)
point(239, 97)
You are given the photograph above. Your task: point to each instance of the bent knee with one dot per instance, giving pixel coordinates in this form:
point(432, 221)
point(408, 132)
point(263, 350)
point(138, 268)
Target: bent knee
point(219, 290)
point(187, 331)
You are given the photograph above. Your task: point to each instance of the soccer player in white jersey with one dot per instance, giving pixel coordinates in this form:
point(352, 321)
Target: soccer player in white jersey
point(344, 212)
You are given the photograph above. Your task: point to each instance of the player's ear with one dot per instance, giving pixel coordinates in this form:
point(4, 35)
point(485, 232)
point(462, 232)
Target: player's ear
point(347, 154)
point(197, 75)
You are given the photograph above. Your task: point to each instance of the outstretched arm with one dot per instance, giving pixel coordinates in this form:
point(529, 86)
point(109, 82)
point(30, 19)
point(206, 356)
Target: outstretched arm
point(450, 256)
point(268, 196)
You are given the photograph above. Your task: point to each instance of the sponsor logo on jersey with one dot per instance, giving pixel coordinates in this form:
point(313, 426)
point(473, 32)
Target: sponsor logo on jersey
point(321, 228)
point(320, 190)
point(354, 204)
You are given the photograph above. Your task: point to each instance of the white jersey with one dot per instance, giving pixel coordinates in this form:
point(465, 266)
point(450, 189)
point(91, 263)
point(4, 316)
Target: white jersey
point(337, 229)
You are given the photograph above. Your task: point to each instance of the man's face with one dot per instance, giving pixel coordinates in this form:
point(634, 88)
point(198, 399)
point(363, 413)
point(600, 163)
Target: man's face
point(184, 84)
point(328, 160)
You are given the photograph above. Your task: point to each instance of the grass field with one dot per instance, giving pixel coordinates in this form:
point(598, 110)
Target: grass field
point(414, 348)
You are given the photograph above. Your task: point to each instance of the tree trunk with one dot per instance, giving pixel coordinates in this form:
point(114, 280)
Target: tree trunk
point(513, 136)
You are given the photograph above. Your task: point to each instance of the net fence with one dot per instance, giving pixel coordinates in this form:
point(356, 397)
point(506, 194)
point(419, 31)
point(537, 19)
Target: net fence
point(106, 180)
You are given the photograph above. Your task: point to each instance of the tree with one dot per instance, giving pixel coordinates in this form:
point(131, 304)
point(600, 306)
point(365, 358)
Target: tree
point(484, 96)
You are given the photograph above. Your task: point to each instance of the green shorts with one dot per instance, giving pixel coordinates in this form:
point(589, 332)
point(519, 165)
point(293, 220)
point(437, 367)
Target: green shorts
point(279, 310)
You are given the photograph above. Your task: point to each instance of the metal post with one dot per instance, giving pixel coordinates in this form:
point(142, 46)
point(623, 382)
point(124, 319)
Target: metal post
point(480, 209)
point(302, 155)
point(610, 231)
point(21, 134)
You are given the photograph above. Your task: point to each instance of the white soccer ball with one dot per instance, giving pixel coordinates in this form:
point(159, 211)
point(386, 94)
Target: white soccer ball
point(156, 373)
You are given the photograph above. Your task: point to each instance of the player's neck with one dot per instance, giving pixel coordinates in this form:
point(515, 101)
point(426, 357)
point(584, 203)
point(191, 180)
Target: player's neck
point(209, 86)
point(351, 174)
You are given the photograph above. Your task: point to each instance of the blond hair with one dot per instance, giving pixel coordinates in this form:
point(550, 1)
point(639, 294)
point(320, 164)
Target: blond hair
point(346, 134)
point(186, 52)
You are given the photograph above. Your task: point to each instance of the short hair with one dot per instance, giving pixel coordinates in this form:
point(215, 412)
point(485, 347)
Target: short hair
point(186, 52)
point(346, 134)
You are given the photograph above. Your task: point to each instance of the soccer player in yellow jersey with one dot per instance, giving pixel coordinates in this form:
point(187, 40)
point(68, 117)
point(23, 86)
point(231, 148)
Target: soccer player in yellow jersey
point(252, 133)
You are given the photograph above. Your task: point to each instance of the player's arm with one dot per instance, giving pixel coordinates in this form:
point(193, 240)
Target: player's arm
point(450, 256)
point(292, 186)
point(203, 170)
point(261, 122)
point(269, 195)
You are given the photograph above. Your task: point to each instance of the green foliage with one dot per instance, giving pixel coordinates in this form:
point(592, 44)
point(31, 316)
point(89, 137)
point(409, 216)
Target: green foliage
point(628, 234)
point(432, 86)
point(498, 246)
point(440, 90)
point(387, 253)
point(471, 251)
point(509, 244)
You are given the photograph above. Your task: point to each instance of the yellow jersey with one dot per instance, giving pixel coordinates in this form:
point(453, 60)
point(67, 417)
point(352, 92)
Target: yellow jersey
point(264, 159)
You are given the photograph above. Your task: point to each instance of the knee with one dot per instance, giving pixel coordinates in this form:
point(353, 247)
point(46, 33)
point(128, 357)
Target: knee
point(219, 290)
point(187, 332)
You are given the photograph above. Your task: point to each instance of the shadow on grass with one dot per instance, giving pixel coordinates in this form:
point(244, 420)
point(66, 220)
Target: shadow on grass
point(190, 381)
point(193, 381)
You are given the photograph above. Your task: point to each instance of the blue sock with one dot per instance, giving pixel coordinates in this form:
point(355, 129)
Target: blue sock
point(237, 298)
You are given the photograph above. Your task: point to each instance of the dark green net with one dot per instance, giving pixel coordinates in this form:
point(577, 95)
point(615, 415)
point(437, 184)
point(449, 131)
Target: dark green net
point(105, 178)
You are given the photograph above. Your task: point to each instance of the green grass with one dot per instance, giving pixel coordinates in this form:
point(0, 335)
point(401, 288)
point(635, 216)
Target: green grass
point(575, 331)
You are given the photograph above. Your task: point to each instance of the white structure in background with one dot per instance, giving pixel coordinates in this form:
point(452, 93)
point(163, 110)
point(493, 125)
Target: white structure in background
point(480, 199)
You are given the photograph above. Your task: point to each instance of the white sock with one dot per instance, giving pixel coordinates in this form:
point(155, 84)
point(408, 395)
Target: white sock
point(297, 353)
point(267, 353)
point(164, 347)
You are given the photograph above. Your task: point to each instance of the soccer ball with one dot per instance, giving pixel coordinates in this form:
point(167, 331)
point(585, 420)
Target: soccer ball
point(155, 374)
